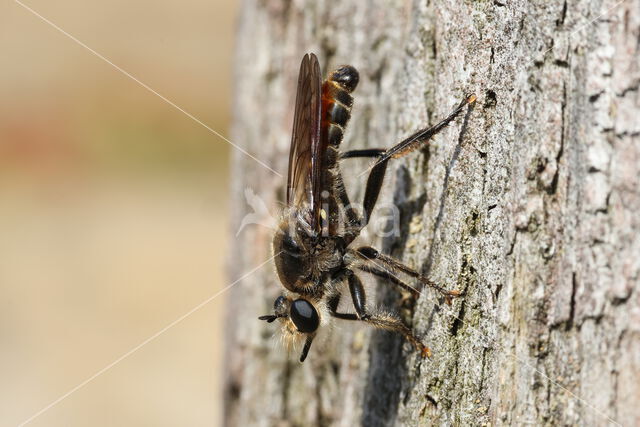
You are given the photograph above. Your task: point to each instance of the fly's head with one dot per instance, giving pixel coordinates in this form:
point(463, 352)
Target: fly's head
point(299, 319)
point(293, 246)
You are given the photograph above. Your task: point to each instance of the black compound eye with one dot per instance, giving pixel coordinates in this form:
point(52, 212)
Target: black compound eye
point(304, 316)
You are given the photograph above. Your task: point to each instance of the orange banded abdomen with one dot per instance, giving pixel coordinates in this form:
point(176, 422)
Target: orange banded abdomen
point(337, 102)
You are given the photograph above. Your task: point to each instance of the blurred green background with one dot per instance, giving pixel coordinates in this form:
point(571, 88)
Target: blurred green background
point(113, 210)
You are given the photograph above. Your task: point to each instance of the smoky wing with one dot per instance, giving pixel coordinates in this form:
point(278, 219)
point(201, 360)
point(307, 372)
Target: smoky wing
point(306, 153)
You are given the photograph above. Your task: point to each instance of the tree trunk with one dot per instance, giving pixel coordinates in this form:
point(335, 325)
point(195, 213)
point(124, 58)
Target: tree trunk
point(533, 210)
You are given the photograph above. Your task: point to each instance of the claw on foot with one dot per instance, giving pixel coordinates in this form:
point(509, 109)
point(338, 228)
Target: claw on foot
point(449, 294)
point(425, 351)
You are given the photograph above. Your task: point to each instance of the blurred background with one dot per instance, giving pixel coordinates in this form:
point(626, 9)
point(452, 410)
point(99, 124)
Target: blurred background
point(113, 211)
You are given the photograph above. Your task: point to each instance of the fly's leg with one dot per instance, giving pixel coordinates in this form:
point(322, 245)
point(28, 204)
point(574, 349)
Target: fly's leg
point(372, 258)
point(390, 323)
point(307, 346)
point(335, 205)
point(367, 153)
point(412, 142)
point(378, 320)
point(376, 176)
point(358, 297)
point(387, 275)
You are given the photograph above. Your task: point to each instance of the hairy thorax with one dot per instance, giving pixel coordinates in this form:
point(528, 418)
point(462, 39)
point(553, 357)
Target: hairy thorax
point(305, 261)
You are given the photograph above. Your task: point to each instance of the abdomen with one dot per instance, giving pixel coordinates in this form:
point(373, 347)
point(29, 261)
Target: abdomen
point(336, 103)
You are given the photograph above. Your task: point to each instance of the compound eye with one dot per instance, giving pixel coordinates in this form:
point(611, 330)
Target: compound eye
point(304, 316)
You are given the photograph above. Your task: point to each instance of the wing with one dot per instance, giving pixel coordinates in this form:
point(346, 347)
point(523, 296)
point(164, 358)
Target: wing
point(306, 153)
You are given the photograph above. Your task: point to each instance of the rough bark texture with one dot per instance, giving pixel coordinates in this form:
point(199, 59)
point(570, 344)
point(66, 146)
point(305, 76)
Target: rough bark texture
point(534, 213)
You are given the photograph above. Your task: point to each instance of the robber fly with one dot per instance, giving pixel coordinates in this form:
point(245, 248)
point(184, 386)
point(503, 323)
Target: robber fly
point(313, 259)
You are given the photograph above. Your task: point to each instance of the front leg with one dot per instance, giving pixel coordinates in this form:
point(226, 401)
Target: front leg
point(307, 346)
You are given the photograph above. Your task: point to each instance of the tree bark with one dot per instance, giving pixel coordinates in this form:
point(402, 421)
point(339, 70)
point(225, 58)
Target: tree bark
point(533, 211)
